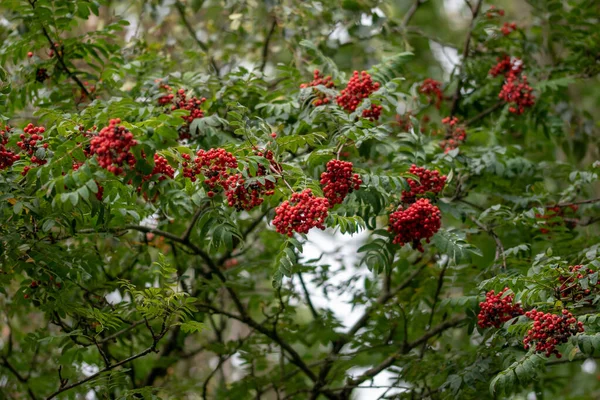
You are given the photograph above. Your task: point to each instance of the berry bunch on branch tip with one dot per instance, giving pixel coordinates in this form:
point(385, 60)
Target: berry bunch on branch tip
point(433, 90)
point(429, 182)
point(421, 220)
point(507, 66)
point(359, 88)
point(100, 192)
point(550, 330)
point(318, 79)
point(338, 181)
point(112, 147)
point(508, 27)
point(302, 212)
point(161, 168)
point(570, 285)
point(181, 101)
point(455, 134)
point(245, 196)
point(30, 143)
point(214, 164)
point(7, 157)
point(497, 309)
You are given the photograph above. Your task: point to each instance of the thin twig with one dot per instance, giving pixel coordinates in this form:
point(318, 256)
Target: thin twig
point(265, 51)
point(313, 311)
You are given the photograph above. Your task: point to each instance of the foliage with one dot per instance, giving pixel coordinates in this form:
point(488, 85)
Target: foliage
point(137, 263)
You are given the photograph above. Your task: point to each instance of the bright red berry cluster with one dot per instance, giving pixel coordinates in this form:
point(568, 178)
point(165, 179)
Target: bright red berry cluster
point(497, 309)
point(494, 12)
point(421, 220)
point(161, 168)
point(517, 91)
point(112, 147)
point(429, 181)
point(570, 287)
point(319, 79)
point(338, 180)
point(180, 101)
point(433, 90)
point(29, 143)
point(7, 157)
point(301, 213)
point(455, 134)
point(214, 164)
point(243, 196)
point(555, 216)
point(359, 88)
point(550, 330)
point(508, 27)
point(507, 66)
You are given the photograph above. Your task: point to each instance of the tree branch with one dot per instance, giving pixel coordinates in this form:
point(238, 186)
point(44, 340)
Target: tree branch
point(265, 51)
point(19, 377)
point(465, 56)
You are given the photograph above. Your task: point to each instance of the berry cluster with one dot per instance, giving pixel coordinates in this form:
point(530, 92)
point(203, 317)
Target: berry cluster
point(494, 12)
point(41, 75)
point(301, 213)
point(404, 122)
point(555, 215)
point(455, 134)
point(507, 66)
point(570, 287)
point(161, 168)
point(338, 180)
point(359, 88)
point(30, 139)
point(496, 309)
point(429, 181)
point(516, 90)
point(112, 147)
point(214, 164)
point(318, 79)
point(7, 157)
point(508, 28)
point(550, 330)
point(100, 191)
point(243, 196)
point(421, 220)
point(433, 90)
point(180, 101)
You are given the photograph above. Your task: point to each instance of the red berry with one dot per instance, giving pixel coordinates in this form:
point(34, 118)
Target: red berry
point(30, 54)
point(432, 89)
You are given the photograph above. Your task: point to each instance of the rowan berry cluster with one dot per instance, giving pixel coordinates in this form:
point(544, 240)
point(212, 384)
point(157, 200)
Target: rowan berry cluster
point(112, 147)
point(433, 90)
point(517, 91)
point(508, 27)
point(570, 287)
point(41, 75)
point(7, 157)
point(243, 196)
point(318, 79)
point(455, 134)
point(507, 66)
point(338, 181)
point(404, 122)
point(161, 168)
point(429, 181)
point(359, 88)
point(494, 12)
point(180, 101)
point(29, 143)
point(497, 309)
point(214, 164)
point(301, 213)
point(550, 330)
point(421, 220)
point(100, 192)
point(555, 216)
